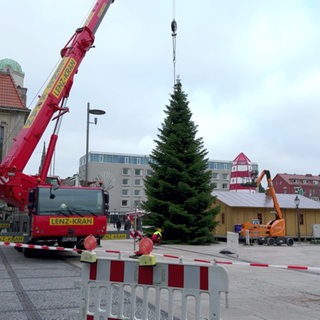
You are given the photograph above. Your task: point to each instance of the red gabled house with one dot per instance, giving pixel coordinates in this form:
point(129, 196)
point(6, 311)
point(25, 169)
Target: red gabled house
point(307, 185)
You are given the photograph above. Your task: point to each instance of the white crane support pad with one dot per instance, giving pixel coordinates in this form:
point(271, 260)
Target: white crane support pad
point(123, 289)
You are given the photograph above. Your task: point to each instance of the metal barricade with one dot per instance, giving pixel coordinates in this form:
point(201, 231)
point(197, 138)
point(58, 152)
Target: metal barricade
point(123, 289)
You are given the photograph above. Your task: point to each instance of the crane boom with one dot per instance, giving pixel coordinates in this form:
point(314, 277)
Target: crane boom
point(14, 184)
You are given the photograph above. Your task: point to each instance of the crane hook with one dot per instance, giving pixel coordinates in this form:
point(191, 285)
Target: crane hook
point(174, 27)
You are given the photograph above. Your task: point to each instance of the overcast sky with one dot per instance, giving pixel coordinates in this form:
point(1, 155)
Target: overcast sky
point(251, 70)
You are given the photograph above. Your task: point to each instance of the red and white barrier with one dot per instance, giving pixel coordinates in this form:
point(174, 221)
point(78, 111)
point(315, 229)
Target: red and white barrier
point(136, 234)
point(267, 265)
point(122, 289)
point(166, 256)
point(35, 246)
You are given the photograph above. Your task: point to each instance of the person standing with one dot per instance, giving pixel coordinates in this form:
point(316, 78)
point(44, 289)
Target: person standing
point(127, 224)
point(118, 224)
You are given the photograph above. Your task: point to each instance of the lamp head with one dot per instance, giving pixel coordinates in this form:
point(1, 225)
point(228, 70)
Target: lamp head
point(297, 201)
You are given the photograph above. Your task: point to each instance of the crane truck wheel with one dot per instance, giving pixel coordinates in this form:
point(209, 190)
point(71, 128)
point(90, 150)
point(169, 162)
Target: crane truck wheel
point(271, 242)
point(290, 242)
point(29, 253)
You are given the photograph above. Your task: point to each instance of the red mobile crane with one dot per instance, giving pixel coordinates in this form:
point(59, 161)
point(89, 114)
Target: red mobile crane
point(47, 213)
point(274, 232)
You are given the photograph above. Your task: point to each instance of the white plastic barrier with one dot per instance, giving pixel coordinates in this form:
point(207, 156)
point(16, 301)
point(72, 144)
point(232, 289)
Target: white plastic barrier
point(122, 289)
point(233, 241)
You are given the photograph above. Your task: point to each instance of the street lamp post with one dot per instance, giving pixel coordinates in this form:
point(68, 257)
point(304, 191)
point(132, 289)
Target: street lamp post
point(297, 202)
point(136, 207)
point(95, 112)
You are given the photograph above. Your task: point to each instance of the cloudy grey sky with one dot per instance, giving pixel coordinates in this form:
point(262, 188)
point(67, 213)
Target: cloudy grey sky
point(251, 70)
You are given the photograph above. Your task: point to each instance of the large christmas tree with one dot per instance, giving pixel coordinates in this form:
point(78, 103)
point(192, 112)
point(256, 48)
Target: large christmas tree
point(179, 190)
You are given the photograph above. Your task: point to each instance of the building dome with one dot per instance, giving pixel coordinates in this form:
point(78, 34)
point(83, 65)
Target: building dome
point(9, 63)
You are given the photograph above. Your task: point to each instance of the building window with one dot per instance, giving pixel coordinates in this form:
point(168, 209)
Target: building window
point(124, 203)
point(125, 171)
point(224, 186)
point(222, 218)
point(100, 158)
point(149, 172)
point(259, 217)
point(215, 175)
point(125, 182)
point(225, 176)
point(315, 181)
point(137, 182)
point(301, 218)
point(125, 192)
point(137, 203)
point(137, 192)
point(137, 172)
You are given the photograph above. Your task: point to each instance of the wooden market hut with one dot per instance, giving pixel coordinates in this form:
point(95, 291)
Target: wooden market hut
point(238, 207)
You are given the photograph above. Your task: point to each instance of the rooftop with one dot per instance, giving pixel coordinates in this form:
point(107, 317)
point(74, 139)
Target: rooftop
point(260, 200)
point(9, 96)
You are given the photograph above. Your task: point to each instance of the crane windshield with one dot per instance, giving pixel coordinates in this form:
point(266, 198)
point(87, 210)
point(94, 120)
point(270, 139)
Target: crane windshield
point(70, 202)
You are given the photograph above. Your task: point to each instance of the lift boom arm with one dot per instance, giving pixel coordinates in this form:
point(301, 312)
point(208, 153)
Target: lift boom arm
point(270, 191)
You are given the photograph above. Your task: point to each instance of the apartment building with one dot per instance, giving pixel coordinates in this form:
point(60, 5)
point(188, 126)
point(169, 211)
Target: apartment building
point(123, 176)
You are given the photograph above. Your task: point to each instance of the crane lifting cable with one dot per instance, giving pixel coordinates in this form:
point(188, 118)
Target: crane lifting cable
point(174, 35)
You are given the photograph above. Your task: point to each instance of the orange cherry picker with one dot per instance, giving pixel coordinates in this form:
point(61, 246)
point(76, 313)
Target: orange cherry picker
point(274, 232)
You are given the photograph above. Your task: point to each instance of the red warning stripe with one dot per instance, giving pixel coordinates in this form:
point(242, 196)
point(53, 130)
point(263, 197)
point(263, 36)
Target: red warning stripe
point(93, 271)
point(298, 267)
point(117, 270)
point(204, 278)
point(145, 275)
point(176, 275)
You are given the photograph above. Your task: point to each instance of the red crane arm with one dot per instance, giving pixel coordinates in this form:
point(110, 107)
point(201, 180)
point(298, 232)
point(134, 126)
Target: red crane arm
point(13, 182)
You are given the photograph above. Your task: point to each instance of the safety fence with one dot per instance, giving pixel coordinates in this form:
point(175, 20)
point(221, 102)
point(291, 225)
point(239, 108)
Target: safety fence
point(124, 289)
